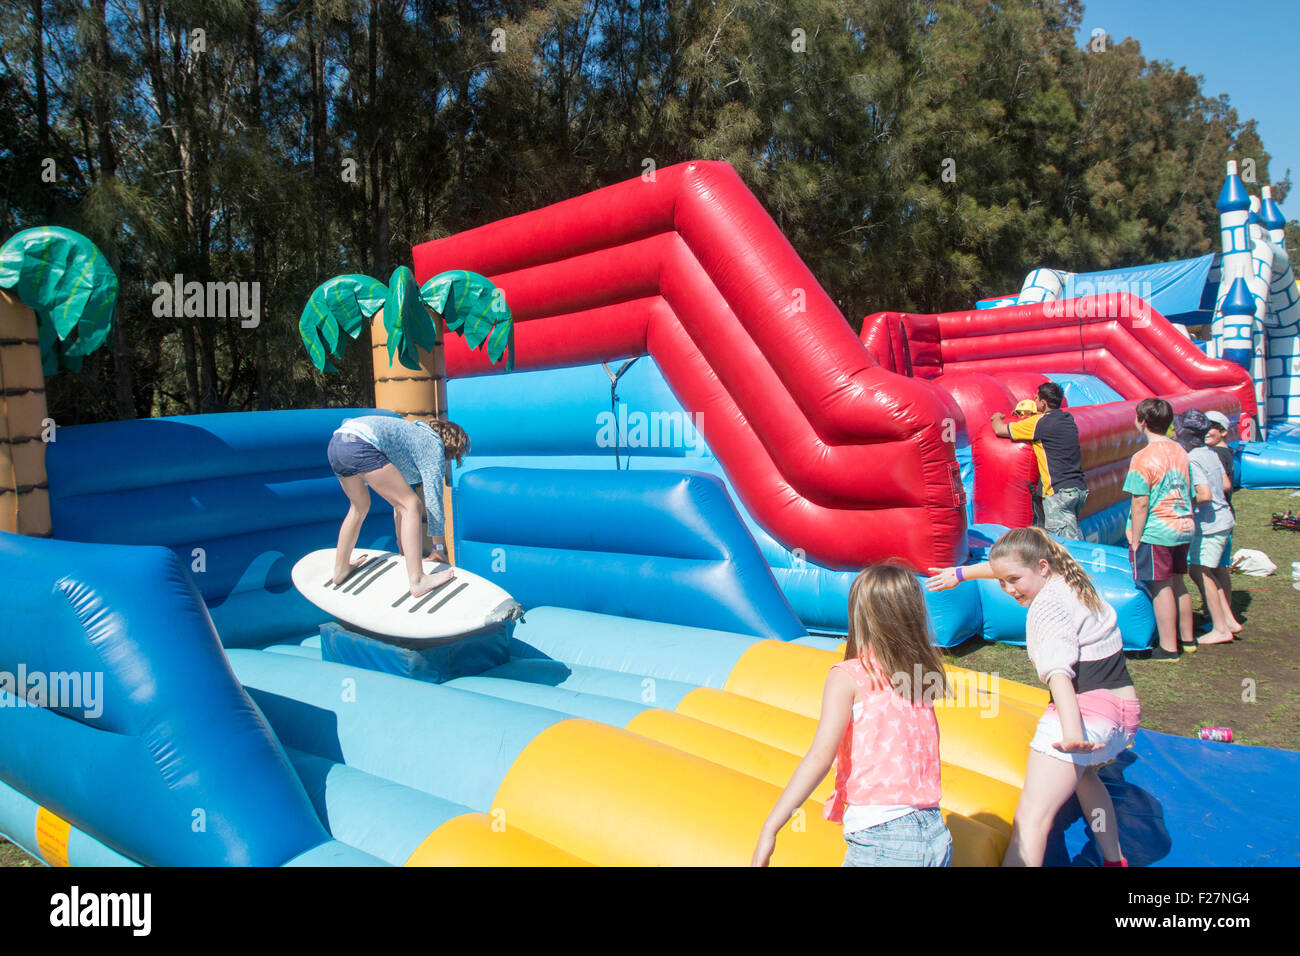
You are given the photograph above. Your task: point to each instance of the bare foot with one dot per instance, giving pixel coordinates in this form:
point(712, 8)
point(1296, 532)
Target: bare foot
point(428, 582)
point(1215, 637)
point(342, 574)
point(1235, 627)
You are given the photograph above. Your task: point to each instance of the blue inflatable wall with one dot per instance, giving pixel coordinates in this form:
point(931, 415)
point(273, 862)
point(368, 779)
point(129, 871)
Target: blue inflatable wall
point(169, 763)
point(238, 498)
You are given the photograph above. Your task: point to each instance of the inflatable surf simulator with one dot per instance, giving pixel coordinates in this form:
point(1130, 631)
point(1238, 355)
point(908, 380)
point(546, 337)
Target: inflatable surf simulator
point(660, 687)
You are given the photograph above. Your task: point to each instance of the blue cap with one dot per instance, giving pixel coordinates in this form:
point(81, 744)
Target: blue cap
point(1239, 300)
point(1233, 197)
point(1270, 214)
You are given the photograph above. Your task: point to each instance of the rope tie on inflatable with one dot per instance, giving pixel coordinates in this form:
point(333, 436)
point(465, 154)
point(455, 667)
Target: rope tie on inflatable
point(613, 402)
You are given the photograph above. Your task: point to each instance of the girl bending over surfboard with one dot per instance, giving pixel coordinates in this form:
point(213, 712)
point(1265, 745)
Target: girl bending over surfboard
point(391, 455)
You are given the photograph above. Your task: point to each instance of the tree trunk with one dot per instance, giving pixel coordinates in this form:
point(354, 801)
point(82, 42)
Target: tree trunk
point(192, 392)
point(42, 96)
point(100, 58)
point(378, 165)
point(260, 351)
point(316, 44)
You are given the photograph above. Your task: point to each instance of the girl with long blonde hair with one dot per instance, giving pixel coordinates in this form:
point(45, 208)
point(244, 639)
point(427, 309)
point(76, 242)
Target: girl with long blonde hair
point(878, 726)
point(1073, 639)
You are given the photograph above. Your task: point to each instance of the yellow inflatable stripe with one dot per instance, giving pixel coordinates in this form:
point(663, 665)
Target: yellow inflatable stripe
point(1000, 742)
point(973, 843)
point(1033, 699)
point(769, 764)
point(480, 839)
point(792, 677)
point(789, 676)
point(993, 742)
point(764, 722)
point(979, 797)
point(619, 799)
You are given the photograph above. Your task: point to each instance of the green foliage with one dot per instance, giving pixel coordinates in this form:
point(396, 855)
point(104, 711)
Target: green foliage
point(65, 280)
point(407, 321)
point(337, 308)
point(476, 309)
point(919, 154)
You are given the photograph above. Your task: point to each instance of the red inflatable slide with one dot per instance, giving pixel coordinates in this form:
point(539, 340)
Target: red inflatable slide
point(830, 452)
point(988, 358)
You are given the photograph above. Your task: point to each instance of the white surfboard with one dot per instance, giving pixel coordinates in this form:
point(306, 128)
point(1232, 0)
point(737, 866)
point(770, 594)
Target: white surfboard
point(376, 597)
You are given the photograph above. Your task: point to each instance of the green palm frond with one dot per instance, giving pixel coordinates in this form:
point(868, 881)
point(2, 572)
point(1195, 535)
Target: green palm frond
point(336, 312)
point(410, 327)
point(474, 308)
point(64, 278)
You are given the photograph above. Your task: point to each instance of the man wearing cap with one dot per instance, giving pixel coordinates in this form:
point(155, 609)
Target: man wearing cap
point(1216, 439)
point(1025, 408)
point(1213, 534)
point(1055, 438)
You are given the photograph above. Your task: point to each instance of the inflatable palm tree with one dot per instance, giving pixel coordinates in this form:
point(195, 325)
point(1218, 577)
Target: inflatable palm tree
point(57, 296)
point(410, 373)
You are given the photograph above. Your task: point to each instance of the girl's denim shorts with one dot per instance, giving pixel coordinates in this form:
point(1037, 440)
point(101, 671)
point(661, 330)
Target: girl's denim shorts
point(919, 838)
point(350, 455)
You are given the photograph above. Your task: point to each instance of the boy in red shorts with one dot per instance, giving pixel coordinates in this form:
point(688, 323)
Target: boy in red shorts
point(1160, 526)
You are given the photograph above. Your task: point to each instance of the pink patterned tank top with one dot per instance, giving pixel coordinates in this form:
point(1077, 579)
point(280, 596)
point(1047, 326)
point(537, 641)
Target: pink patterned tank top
point(890, 751)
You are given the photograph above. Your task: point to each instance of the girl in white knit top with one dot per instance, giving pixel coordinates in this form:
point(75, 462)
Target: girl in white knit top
point(1074, 643)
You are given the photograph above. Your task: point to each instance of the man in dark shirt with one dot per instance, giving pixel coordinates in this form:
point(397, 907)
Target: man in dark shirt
point(1055, 438)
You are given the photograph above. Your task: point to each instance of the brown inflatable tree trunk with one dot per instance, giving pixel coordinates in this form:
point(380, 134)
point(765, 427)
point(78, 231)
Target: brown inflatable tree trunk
point(24, 490)
point(412, 395)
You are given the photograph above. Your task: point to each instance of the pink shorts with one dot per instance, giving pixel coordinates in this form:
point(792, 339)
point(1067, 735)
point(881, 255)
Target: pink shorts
point(1107, 720)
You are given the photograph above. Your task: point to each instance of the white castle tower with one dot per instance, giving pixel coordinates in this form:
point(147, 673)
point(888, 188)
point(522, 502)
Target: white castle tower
point(1282, 317)
point(1232, 332)
point(1262, 339)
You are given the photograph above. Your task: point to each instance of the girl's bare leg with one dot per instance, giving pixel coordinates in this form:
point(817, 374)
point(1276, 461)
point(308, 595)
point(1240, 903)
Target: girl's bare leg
point(1099, 812)
point(1048, 784)
point(354, 487)
point(390, 484)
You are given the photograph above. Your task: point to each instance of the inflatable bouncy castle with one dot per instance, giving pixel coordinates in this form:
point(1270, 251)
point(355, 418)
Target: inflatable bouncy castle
point(692, 454)
point(1242, 303)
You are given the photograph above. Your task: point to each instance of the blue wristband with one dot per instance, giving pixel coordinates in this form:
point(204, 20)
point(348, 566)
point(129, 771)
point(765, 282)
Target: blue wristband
point(957, 571)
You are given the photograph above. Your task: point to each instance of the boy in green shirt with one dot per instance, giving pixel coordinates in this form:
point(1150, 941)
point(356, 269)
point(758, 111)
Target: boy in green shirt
point(1160, 526)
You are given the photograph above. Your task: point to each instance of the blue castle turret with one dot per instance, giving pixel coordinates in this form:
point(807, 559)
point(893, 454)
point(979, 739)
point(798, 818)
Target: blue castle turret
point(1233, 197)
point(1270, 213)
point(1240, 304)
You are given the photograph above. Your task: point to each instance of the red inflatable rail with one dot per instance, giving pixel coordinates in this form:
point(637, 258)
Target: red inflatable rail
point(987, 358)
point(831, 453)
point(1117, 337)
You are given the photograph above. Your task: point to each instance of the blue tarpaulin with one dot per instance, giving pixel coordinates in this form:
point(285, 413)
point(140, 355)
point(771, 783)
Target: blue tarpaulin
point(1176, 289)
point(1188, 802)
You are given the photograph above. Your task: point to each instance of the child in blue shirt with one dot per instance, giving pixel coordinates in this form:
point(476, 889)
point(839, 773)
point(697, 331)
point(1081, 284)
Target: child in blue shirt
point(391, 455)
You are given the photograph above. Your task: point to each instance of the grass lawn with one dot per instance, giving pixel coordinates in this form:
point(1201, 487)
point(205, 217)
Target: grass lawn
point(1208, 688)
point(1213, 686)
point(10, 855)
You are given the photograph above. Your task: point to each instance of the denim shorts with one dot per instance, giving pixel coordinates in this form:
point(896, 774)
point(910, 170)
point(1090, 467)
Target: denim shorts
point(351, 455)
point(919, 838)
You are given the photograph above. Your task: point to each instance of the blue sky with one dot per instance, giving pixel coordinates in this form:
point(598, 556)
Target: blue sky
point(1244, 48)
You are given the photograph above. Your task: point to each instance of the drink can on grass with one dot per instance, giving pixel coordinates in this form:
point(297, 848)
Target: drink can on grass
point(1222, 734)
